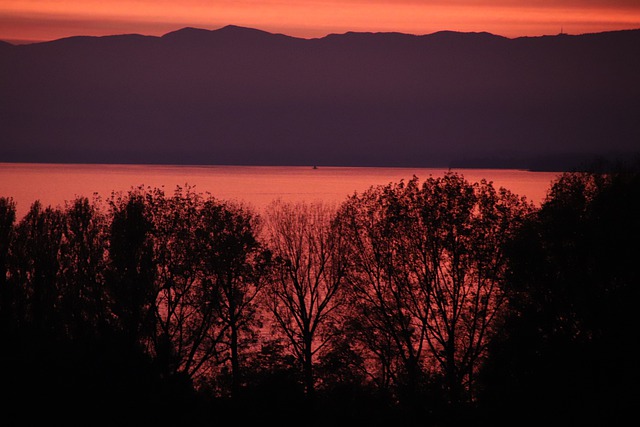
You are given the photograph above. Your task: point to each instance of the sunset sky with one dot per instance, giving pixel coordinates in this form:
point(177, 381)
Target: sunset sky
point(40, 20)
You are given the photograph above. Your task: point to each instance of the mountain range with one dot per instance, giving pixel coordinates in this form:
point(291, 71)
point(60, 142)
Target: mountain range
point(242, 96)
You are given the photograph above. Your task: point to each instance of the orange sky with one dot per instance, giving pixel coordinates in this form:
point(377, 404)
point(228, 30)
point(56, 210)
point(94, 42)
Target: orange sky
point(39, 20)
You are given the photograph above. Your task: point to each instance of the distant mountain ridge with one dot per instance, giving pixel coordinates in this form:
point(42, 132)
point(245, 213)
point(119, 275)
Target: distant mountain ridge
point(245, 96)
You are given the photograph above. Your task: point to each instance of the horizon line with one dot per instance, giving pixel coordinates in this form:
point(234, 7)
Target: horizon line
point(22, 42)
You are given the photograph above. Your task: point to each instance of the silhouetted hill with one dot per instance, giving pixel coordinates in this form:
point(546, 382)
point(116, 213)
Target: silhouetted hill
point(244, 96)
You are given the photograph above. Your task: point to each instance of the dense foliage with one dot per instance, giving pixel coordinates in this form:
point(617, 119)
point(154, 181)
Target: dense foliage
point(438, 302)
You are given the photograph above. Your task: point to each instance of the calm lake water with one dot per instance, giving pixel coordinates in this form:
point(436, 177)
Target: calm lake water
point(54, 184)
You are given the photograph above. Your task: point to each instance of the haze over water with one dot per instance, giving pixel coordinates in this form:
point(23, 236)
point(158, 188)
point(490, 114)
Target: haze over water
point(53, 184)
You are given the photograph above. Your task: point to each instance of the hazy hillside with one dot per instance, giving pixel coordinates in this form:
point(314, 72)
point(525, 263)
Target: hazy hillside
point(244, 96)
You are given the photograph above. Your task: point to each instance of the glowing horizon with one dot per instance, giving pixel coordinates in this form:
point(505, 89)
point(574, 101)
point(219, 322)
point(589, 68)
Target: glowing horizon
point(40, 20)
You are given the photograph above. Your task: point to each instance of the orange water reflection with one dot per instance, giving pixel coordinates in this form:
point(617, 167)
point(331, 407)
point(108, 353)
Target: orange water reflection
point(53, 184)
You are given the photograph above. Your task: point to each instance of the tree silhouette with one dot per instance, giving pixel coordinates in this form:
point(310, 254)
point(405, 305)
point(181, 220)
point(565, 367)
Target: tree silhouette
point(470, 225)
point(131, 270)
point(428, 275)
point(7, 223)
point(180, 343)
point(82, 268)
point(310, 265)
point(436, 302)
point(208, 269)
point(50, 350)
point(236, 268)
point(37, 255)
point(390, 292)
point(567, 348)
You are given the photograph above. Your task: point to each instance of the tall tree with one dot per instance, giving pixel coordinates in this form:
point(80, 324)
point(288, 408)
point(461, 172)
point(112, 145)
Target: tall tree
point(567, 348)
point(210, 269)
point(427, 276)
point(180, 341)
point(82, 268)
point(471, 223)
point(235, 267)
point(7, 224)
point(389, 285)
point(131, 271)
point(37, 260)
point(310, 266)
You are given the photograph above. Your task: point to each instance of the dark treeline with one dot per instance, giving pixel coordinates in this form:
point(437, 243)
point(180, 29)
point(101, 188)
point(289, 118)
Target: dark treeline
point(436, 302)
